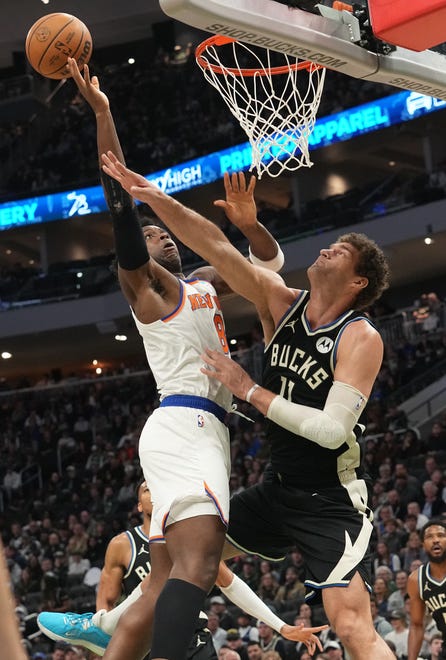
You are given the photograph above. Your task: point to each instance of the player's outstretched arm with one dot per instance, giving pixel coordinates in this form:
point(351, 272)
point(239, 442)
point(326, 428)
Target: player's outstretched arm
point(243, 596)
point(199, 234)
point(333, 425)
point(240, 209)
point(107, 137)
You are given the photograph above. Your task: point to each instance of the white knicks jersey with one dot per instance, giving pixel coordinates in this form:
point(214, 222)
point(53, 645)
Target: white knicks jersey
point(175, 343)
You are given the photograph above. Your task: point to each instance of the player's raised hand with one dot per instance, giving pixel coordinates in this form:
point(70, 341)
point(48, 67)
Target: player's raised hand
point(132, 182)
point(239, 204)
point(305, 635)
point(88, 87)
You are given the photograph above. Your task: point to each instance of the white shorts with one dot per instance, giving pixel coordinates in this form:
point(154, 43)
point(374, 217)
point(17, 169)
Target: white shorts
point(185, 458)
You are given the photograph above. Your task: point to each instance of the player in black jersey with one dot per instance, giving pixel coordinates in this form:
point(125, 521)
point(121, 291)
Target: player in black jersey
point(126, 567)
point(427, 587)
point(322, 358)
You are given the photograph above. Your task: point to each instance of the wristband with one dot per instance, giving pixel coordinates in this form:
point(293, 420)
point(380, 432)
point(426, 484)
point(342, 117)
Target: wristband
point(250, 392)
point(274, 264)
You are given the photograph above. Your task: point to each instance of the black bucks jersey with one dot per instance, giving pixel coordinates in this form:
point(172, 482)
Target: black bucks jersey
point(299, 365)
point(434, 595)
point(139, 565)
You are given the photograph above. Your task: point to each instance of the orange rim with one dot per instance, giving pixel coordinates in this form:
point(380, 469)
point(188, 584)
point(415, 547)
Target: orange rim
point(219, 40)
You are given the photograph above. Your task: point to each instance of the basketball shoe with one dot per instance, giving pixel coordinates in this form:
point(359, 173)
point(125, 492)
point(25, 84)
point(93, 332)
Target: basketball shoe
point(77, 629)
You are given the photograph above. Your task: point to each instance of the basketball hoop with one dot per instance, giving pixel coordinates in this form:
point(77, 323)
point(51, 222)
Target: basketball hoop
point(275, 105)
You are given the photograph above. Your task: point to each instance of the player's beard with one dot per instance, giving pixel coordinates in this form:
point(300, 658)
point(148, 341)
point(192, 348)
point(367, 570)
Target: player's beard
point(172, 264)
point(437, 559)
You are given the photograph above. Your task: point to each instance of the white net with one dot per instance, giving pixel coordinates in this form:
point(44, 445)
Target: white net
point(276, 105)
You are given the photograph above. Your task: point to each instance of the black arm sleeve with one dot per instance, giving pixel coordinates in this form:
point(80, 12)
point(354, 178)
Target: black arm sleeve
point(131, 248)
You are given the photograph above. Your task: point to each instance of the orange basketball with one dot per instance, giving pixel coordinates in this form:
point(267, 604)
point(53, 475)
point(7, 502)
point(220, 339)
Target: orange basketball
point(54, 38)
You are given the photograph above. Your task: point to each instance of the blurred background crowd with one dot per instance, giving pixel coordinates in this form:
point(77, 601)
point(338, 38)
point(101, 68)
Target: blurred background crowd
point(69, 441)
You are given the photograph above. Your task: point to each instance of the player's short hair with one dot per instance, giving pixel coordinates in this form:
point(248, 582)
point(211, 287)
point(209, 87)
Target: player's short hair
point(147, 216)
point(138, 487)
point(433, 522)
point(372, 264)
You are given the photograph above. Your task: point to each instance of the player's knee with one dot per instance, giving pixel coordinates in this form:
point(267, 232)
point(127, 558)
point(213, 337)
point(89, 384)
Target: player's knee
point(199, 570)
point(350, 628)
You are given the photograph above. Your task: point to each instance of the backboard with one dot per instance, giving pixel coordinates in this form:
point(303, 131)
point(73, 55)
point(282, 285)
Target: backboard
point(333, 38)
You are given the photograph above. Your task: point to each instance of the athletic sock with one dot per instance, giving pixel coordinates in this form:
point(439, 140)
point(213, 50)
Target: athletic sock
point(107, 621)
point(176, 616)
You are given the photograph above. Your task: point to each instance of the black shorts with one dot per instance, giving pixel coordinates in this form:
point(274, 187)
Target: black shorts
point(330, 527)
point(201, 647)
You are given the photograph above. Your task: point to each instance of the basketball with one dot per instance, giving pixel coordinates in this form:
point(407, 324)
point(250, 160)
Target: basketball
point(54, 38)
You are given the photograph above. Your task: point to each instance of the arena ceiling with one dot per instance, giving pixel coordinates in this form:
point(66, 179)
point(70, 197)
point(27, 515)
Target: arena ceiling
point(109, 21)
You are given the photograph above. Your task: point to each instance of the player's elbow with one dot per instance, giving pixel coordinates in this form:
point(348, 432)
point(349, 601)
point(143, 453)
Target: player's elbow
point(324, 431)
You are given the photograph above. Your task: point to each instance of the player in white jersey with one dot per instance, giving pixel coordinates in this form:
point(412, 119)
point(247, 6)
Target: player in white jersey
point(184, 448)
point(190, 475)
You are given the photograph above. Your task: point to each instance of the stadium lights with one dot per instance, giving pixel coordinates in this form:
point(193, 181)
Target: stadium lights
point(428, 240)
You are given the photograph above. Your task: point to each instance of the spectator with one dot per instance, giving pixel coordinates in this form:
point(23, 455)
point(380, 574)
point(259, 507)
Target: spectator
point(382, 593)
point(410, 445)
point(400, 634)
point(12, 483)
point(333, 650)
point(382, 515)
point(219, 635)
point(407, 486)
point(96, 460)
point(66, 442)
point(218, 607)
point(387, 448)
point(410, 525)
point(268, 588)
point(248, 632)
point(436, 440)
point(413, 550)
point(78, 542)
point(399, 511)
point(269, 640)
point(432, 505)
point(249, 573)
point(78, 565)
point(291, 592)
point(392, 537)
point(435, 647)
point(395, 418)
point(398, 597)
point(437, 478)
point(381, 625)
point(413, 508)
point(430, 464)
point(385, 558)
point(266, 566)
point(254, 651)
point(271, 655)
point(235, 643)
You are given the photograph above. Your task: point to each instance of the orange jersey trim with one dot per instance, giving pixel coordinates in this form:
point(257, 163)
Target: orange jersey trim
point(215, 501)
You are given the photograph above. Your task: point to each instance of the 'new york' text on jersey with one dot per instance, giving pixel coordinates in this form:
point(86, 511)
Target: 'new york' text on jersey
point(175, 343)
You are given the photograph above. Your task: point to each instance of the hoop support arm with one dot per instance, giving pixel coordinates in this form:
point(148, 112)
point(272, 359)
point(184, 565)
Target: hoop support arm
point(311, 37)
